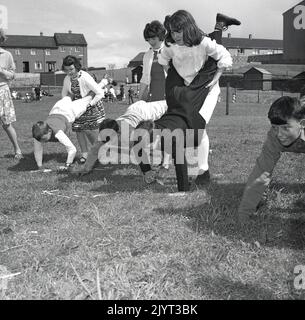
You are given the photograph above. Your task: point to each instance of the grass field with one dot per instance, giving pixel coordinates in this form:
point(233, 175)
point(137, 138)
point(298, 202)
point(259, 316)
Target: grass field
point(109, 236)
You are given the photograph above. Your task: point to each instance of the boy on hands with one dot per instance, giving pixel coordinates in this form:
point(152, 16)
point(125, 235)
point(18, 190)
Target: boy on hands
point(287, 134)
point(57, 126)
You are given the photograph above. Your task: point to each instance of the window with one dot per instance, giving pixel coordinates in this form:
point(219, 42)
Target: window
point(48, 52)
point(33, 52)
point(17, 52)
point(38, 65)
point(241, 50)
point(77, 49)
point(62, 49)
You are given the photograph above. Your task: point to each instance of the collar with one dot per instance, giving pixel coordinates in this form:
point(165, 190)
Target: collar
point(161, 47)
point(2, 50)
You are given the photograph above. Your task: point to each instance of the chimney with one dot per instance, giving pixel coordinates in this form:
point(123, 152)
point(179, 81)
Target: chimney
point(229, 35)
point(250, 36)
point(41, 33)
point(70, 31)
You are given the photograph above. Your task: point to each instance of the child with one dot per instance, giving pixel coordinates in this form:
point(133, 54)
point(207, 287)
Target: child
point(7, 110)
point(134, 115)
point(77, 84)
point(152, 84)
point(57, 126)
point(287, 134)
point(193, 58)
point(185, 102)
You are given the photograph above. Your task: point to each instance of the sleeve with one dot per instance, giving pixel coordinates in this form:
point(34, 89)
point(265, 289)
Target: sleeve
point(146, 70)
point(63, 139)
point(9, 70)
point(165, 56)
point(95, 87)
point(103, 83)
point(65, 89)
point(217, 52)
point(261, 175)
point(38, 152)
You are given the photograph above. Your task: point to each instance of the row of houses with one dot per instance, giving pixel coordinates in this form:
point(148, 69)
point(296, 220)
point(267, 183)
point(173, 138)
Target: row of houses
point(38, 54)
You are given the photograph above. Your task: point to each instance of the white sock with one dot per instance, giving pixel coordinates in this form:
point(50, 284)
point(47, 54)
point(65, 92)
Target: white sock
point(203, 154)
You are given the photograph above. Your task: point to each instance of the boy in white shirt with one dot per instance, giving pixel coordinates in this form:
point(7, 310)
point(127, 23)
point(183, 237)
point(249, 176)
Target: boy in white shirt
point(57, 127)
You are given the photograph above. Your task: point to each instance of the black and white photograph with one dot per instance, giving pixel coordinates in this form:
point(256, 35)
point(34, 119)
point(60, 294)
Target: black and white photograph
point(152, 153)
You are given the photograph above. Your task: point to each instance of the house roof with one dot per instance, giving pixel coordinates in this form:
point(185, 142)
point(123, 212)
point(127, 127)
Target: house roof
point(261, 70)
point(59, 39)
point(277, 70)
point(302, 2)
point(247, 43)
point(138, 59)
point(70, 39)
point(18, 41)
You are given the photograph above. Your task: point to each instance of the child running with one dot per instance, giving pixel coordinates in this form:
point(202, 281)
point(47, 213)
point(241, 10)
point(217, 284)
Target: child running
point(287, 134)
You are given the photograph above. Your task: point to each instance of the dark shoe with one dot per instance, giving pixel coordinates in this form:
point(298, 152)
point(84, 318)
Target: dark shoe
point(223, 22)
point(203, 179)
point(82, 160)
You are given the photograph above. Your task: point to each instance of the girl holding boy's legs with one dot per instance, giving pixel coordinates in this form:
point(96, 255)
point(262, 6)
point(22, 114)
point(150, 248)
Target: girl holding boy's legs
point(184, 94)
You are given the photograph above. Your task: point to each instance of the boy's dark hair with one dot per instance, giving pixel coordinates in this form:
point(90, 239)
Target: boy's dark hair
point(286, 108)
point(71, 60)
point(154, 29)
point(182, 20)
point(109, 124)
point(147, 125)
point(39, 129)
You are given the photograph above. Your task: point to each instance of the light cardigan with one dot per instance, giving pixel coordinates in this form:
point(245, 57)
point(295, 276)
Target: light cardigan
point(86, 84)
point(7, 67)
point(189, 60)
point(147, 64)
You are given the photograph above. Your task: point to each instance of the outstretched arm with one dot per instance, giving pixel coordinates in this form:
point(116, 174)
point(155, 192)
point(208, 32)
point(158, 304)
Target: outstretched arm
point(260, 176)
point(38, 153)
point(63, 139)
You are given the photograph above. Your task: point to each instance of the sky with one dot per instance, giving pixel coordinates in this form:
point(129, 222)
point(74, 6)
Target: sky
point(114, 29)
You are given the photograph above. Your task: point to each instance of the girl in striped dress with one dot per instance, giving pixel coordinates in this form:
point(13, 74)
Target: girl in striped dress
point(78, 84)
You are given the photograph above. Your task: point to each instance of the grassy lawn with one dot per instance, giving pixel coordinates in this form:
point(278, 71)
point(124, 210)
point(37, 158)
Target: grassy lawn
point(109, 236)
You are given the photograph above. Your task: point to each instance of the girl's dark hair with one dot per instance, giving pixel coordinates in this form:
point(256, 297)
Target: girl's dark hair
point(71, 60)
point(182, 20)
point(284, 109)
point(154, 29)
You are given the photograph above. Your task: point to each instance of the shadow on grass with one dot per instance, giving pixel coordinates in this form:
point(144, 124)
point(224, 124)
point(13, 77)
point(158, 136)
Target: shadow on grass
point(268, 228)
point(225, 289)
point(28, 162)
point(120, 178)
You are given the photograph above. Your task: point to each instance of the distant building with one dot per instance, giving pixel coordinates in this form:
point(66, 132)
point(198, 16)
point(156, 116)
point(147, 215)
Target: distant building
point(294, 33)
point(37, 54)
point(257, 79)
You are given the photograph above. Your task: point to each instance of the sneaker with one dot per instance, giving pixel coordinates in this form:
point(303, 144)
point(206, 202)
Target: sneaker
point(203, 179)
point(223, 21)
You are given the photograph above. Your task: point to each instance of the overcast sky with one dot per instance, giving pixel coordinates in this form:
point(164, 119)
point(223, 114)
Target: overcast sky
point(114, 29)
